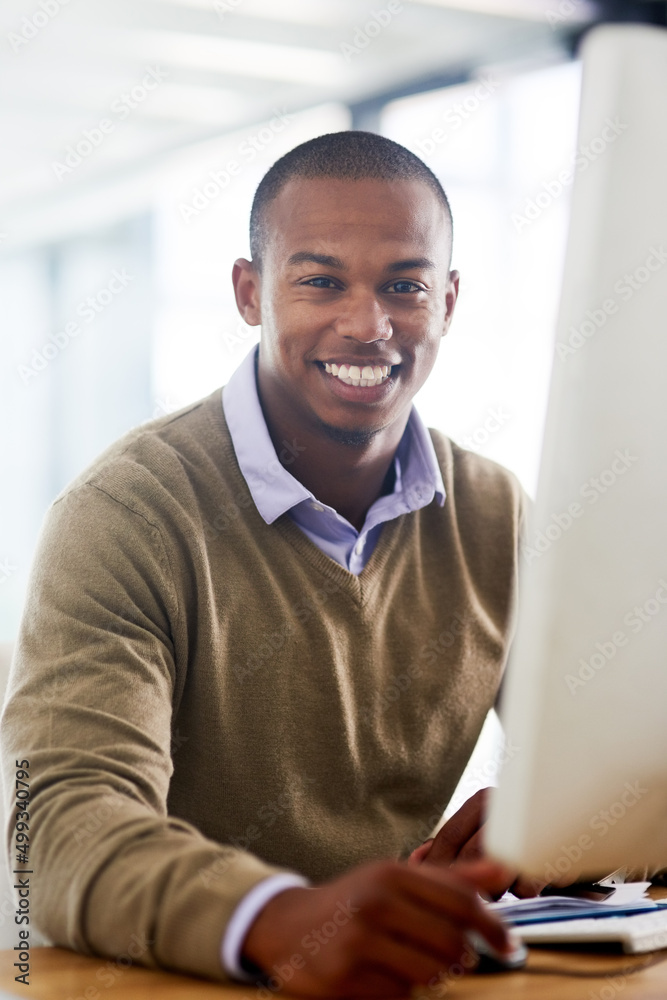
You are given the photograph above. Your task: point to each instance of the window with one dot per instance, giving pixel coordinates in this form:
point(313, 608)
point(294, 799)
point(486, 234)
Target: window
point(497, 146)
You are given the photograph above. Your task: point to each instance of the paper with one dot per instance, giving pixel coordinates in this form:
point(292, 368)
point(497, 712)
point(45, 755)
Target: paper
point(629, 897)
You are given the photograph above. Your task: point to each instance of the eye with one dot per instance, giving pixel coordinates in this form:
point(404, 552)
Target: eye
point(321, 283)
point(402, 287)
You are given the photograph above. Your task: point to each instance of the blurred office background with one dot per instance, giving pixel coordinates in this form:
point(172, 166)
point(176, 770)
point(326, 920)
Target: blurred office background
point(134, 133)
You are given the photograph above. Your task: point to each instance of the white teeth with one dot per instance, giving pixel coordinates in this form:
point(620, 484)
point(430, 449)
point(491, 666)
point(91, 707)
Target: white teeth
point(354, 375)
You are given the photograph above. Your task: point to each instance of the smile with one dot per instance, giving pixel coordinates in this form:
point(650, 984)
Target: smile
point(354, 375)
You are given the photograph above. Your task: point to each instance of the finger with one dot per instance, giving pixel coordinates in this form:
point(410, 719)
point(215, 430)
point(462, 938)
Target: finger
point(458, 830)
point(452, 897)
point(525, 886)
point(473, 849)
point(488, 877)
point(441, 853)
point(420, 852)
point(427, 930)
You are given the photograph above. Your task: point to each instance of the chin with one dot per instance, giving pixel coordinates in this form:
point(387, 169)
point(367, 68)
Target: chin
point(353, 437)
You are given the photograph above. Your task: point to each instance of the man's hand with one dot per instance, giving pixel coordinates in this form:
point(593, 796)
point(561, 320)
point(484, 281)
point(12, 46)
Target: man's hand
point(461, 840)
point(377, 931)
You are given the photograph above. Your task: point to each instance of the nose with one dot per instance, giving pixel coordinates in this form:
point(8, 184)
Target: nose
point(363, 318)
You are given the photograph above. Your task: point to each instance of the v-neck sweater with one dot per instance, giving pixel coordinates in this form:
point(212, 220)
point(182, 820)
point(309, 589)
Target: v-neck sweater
point(206, 699)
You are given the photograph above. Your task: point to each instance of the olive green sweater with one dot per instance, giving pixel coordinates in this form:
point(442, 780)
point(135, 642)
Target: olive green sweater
point(205, 699)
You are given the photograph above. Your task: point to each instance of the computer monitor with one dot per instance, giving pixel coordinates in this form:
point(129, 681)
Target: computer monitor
point(584, 706)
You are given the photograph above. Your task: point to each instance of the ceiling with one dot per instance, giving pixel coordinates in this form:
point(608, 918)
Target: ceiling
point(166, 73)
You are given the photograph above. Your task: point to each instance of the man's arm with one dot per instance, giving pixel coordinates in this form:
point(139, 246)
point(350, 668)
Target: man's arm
point(90, 706)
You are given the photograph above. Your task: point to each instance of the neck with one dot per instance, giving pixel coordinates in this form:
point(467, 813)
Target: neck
point(349, 479)
point(346, 474)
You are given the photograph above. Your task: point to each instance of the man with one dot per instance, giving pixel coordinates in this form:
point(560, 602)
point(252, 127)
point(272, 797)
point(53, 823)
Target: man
point(262, 637)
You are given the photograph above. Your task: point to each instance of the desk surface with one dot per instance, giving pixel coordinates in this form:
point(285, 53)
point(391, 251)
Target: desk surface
point(59, 974)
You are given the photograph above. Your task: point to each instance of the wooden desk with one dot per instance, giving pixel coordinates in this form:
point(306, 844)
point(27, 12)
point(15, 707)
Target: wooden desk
point(58, 974)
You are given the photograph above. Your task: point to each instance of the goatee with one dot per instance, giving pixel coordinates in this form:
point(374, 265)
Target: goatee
point(350, 437)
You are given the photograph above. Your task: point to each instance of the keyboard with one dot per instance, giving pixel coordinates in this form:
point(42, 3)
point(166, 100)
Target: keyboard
point(637, 933)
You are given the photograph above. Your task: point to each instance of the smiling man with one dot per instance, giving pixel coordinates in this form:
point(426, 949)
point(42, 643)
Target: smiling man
point(352, 286)
point(263, 633)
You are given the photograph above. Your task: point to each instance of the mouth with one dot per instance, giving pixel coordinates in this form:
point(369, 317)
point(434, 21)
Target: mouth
point(358, 375)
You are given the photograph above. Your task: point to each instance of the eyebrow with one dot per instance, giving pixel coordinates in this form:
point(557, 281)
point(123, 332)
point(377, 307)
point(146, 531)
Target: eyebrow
point(308, 257)
point(409, 263)
point(326, 260)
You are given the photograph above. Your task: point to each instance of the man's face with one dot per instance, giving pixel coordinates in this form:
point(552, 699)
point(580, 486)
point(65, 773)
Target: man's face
point(354, 276)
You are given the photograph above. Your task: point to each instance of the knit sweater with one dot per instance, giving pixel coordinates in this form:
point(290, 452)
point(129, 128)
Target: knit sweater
point(206, 699)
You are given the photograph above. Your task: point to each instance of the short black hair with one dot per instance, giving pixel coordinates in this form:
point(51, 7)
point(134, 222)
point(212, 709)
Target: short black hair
point(347, 155)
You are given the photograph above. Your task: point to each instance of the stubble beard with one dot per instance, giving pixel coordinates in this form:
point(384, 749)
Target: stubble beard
point(351, 437)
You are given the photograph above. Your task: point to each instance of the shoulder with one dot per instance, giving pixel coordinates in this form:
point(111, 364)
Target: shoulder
point(465, 469)
point(476, 483)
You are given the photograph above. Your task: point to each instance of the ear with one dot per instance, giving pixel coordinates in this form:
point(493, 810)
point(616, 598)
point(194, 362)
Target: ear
point(450, 298)
point(247, 283)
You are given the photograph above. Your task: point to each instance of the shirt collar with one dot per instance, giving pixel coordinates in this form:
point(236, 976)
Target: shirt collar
point(274, 490)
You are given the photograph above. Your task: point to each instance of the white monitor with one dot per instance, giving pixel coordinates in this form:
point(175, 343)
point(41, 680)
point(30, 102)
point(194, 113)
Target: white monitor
point(585, 700)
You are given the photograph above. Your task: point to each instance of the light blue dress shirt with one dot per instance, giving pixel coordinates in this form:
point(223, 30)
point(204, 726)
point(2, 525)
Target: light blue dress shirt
point(275, 491)
point(417, 482)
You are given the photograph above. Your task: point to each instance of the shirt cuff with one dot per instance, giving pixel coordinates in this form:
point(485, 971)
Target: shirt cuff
point(244, 915)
